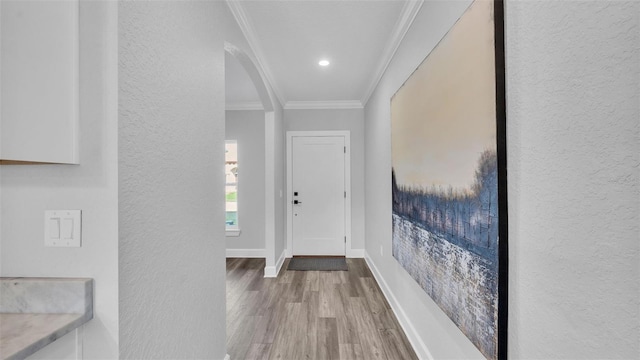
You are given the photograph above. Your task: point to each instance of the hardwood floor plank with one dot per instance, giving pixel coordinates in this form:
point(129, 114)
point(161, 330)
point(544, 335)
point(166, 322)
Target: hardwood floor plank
point(289, 342)
point(239, 311)
point(310, 309)
point(272, 290)
point(273, 316)
point(394, 347)
point(327, 295)
point(304, 315)
point(346, 323)
point(351, 352)
point(327, 340)
point(358, 268)
point(238, 287)
point(286, 276)
point(257, 283)
point(312, 281)
point(386, 320)
point(339, 277)
point(375, 300)
point(367, 331)
point(296, 288)
point(267, 326)
point(258, 352)
point(235, 343)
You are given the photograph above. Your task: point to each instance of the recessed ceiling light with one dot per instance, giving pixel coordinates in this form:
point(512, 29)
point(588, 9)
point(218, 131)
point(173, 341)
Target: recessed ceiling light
point(323, 63)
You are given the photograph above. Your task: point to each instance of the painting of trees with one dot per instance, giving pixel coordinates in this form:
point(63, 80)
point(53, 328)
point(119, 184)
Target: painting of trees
point(467, 218)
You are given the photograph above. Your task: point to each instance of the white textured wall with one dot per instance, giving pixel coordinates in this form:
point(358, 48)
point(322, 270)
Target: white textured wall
point(247, 127)
point(573, 72)
point(345, 119)
point(573, 120)
point(171, 133)
point(28, 190)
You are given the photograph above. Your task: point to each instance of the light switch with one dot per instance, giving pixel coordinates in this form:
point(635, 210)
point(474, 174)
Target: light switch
point(67, 228)
point(54, 228)
point(63, 228)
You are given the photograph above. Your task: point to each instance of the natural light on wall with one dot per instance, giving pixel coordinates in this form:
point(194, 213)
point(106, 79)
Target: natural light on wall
point(231, 192)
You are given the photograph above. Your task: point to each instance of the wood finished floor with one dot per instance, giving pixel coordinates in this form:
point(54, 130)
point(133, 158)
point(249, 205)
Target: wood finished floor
point(310, 315)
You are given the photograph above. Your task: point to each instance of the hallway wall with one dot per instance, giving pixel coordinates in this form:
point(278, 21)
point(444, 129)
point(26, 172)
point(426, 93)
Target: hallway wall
point(172, 127)
point(573, 134)
point(247, 127)
point(340, 119)
point(573, 182)
point(432, 334)
point(26, 191)
point(171, 151)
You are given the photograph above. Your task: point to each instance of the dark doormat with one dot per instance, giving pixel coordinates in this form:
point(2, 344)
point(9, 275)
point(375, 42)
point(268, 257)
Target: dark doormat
point(318, 264)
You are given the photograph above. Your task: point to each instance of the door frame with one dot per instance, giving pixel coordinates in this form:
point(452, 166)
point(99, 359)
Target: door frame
point(347, 179)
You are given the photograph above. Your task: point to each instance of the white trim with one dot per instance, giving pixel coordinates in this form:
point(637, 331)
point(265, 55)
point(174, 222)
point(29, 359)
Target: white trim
point(405, 20)
point(75, 151)
point(355, 253)
point(232, 232)
point(254, 73)
point(280, 262)
point(80, 342)
point(273, 271)
point(314, 105)
point(246, 27)
point(245, 253)
point(409, 12)
point(405, 322)
point(247, 105)
point(269, 194)
point(347, 180)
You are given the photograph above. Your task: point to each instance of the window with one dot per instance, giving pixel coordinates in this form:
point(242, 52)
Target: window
point(231, 187)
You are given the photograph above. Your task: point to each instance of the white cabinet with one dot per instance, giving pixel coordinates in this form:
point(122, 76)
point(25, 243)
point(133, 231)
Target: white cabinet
point(39, 81)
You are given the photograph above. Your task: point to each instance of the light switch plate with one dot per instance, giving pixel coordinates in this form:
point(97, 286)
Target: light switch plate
point(63, 228)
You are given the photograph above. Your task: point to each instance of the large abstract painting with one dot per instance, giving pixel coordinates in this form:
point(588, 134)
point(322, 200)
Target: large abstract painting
point(449, 176)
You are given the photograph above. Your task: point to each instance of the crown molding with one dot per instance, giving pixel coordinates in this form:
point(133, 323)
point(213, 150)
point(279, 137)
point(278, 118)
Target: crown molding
point(247, 105)
point(409, 12)
point(246, 27)
point(320, 105)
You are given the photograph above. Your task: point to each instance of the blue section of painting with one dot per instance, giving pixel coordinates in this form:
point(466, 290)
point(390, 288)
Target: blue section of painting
point(448, 242)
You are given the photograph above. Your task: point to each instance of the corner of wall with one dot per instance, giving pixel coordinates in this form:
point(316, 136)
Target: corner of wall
point(273, 271)
point(356, 253)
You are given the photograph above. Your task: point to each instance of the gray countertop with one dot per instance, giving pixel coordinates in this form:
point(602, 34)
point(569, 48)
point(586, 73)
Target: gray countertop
point(23, 334)
point(34, 312)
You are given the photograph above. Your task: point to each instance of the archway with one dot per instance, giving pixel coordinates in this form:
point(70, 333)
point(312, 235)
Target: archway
point(268, 106)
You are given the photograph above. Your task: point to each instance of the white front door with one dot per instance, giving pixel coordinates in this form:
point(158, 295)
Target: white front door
point(318, 186)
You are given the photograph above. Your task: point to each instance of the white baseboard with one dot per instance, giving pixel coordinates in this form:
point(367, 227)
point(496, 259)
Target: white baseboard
point(350, 253)
point(355, 253)
point(418, 345)
point(272, 271)
point(245, 253)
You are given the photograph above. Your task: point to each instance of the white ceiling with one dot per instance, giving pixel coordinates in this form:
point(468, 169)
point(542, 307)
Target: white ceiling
point(290, 37)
